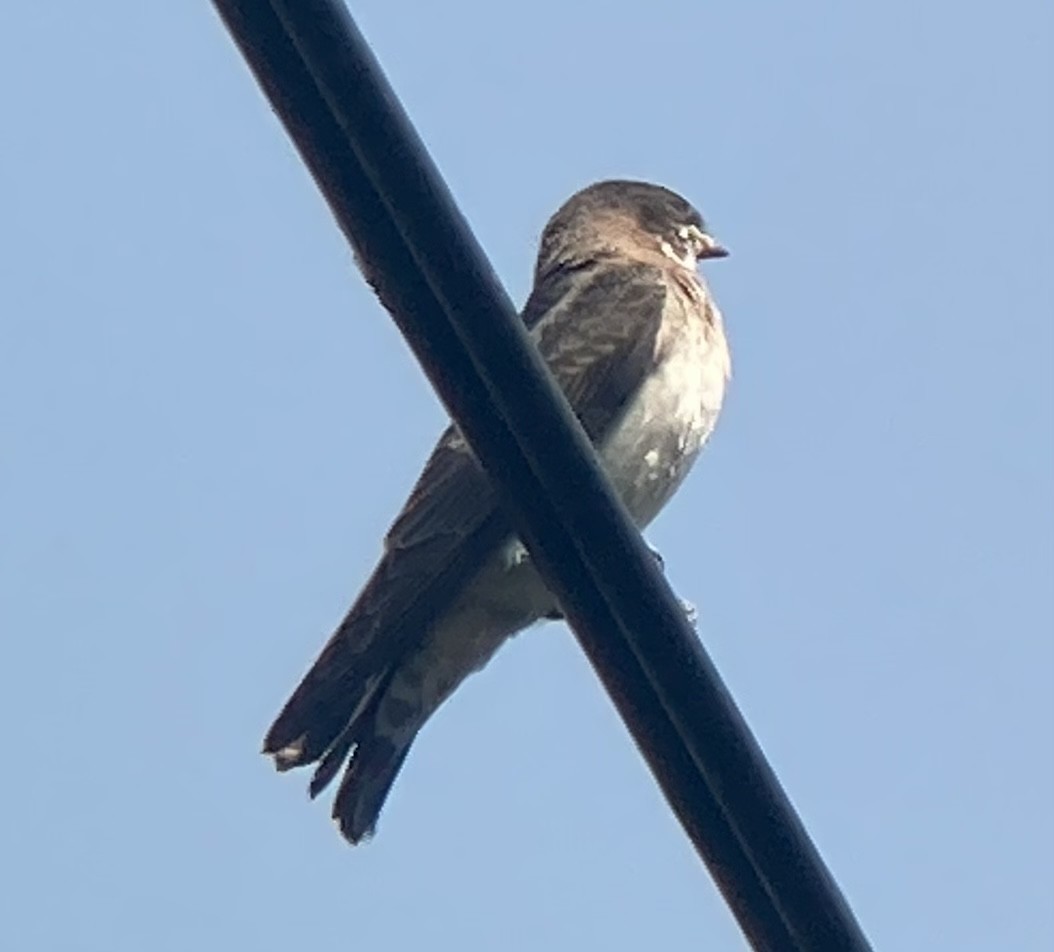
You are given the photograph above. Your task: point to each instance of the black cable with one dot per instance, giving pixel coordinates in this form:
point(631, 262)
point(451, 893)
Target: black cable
point(324, 83)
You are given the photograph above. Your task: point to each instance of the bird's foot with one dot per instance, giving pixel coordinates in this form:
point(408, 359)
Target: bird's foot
point(690, 611)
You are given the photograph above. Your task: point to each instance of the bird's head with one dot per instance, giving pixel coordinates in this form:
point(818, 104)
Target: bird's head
point(630, 218)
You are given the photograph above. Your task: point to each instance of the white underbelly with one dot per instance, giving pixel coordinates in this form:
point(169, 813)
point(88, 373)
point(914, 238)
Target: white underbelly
point(655, 444)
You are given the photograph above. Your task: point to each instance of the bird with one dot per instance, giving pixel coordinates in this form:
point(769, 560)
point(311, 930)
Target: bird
point(629, 330)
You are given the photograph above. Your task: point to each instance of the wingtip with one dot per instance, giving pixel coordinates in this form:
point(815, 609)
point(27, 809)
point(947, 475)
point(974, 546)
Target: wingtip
point(286, 757)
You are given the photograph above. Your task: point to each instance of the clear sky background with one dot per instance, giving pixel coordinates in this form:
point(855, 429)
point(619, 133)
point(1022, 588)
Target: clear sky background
point(206, 424)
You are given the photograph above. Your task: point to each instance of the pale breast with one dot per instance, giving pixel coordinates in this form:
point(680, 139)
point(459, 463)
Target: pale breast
point(655, 444)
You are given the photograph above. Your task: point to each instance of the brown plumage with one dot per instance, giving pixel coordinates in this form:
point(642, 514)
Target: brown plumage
point(627, 328)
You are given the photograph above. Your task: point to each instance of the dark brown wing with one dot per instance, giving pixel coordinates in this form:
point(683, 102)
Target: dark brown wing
point(596, 326)
point(598, 334)
point(437, 544)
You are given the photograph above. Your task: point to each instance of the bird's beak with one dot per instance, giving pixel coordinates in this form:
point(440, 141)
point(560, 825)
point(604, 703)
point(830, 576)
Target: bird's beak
point(708, 248)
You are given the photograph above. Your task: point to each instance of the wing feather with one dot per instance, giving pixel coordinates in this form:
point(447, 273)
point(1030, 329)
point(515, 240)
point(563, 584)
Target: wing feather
point(596, 324)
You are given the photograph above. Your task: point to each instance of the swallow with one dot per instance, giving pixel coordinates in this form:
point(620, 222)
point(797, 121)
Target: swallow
point(630, 332)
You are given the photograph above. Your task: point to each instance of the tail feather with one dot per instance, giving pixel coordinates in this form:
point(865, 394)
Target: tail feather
point(375, 759)
point(366, 785)
point(333, 760)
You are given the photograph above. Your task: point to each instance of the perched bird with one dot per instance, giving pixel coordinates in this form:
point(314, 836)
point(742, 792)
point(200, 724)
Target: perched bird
point(629, 330)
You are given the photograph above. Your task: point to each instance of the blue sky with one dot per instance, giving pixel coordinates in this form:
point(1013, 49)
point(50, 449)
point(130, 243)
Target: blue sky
point(207, 423)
